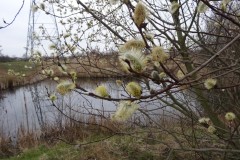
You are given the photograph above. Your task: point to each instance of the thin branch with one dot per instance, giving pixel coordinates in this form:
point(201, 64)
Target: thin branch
point(210, 150)
point(8, 24)
point(213, 57)
point(100, 20)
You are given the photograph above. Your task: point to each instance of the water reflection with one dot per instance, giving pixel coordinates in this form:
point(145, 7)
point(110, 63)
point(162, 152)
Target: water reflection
point(29, 106)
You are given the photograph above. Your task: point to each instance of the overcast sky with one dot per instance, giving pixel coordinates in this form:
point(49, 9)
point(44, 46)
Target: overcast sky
point(13, 38)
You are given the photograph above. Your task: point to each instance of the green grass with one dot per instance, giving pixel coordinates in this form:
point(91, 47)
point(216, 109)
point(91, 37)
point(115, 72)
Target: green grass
point(127, 147)
point(17, 66)
point(57, 152)
point(115, 148)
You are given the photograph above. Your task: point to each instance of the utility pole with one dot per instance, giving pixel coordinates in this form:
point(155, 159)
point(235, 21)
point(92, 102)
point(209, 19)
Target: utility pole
point(42, 27)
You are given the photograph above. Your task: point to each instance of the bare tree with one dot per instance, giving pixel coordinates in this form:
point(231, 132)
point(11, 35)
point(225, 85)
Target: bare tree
point(179, 55)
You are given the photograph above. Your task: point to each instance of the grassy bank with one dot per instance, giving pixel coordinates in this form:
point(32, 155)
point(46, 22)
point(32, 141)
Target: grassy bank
point(16, 73)
point(24, 72)
point(114, 148)
point(114, 141)
point(76, 141)
point(18, 66)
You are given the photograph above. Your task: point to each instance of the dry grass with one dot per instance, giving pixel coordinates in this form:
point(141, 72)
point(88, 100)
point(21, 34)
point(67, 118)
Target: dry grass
point(94, 66)
point(10, 81)
point(97, 66)
point(120, 141)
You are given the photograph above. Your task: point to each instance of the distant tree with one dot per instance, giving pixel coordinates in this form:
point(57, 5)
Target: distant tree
point(1, 54)
point(5, 58)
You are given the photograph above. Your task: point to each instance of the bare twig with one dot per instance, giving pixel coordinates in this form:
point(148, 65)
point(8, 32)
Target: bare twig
point(8, 24)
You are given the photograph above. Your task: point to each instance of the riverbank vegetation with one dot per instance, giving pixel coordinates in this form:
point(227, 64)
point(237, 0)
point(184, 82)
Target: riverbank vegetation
point(105, 140)
point(16, 73)
point(95, 64)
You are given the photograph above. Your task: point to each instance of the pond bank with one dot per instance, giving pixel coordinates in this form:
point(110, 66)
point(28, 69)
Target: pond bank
point(12, 83)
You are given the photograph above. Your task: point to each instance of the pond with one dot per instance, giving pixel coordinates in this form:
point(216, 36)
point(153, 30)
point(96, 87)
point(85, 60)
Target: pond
point(29, 107)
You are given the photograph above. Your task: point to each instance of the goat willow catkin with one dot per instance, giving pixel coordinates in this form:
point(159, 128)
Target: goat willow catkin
point(140, 14)
point(134, 89)
point(135, 58)
point(125, 110)
point(65, 87)
point(158, 54)
point(132, 44)
point(210, 83)
point(102, 91)
point(52, 97)
point(230, 116)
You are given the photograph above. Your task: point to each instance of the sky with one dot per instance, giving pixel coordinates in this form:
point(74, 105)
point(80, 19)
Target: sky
point(13, 39)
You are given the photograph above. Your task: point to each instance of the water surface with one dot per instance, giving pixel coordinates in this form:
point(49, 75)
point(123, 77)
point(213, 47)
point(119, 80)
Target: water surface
point(29, 107)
